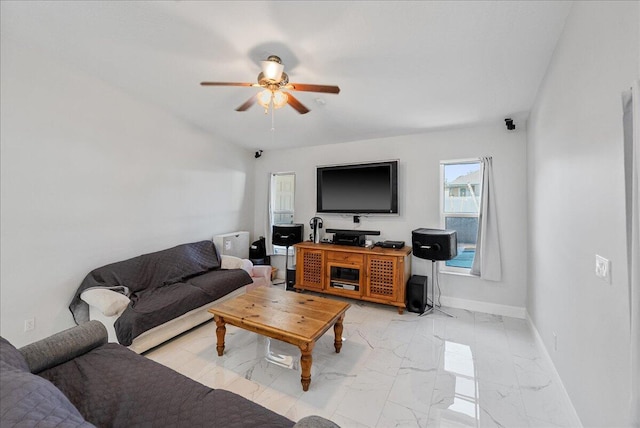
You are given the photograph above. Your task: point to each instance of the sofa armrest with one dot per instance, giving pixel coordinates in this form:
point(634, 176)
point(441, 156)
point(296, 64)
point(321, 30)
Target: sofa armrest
point(108, 302)
point(64, 346)
point(255, 271)
point(262, 271)
point(314, 421)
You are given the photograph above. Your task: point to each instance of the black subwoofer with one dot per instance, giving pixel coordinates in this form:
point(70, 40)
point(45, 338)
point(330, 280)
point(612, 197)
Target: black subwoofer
point(287, 234)
point(291, 278)
point(434, 244)
point(417, 294)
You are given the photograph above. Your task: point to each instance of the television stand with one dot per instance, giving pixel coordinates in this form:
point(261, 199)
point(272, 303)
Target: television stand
point(371, 274)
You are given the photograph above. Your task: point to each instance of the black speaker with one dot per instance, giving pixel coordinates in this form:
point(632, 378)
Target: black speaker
point(287, 234)
point(434, 244)
point(291, 278)
point(416, 294)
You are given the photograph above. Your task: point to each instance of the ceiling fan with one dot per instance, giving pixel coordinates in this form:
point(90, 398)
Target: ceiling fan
point(274, 81)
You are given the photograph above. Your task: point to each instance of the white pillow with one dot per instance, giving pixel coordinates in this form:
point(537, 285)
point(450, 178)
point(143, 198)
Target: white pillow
point(231, 262)
point(247, 265)
point(108, 302)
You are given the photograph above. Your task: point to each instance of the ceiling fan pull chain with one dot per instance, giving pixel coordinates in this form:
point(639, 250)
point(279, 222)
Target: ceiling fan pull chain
point(273, 121)
point(273, 128)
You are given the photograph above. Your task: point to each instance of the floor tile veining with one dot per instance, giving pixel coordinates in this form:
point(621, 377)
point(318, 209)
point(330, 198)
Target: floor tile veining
point(474, 370)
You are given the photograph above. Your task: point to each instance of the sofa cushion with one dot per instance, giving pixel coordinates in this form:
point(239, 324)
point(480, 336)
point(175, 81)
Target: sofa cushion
point(113, 386)
point(219, 283)
point(27, 400)
point(11, 356)
point(155, 306)
point(179, 263)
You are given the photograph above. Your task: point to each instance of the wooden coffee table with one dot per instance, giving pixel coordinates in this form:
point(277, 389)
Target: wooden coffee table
point(294, 318)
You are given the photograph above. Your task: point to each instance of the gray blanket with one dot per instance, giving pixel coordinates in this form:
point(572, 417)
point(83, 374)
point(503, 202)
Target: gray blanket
point(154, 306)
point(162, 286)
point(114, 387)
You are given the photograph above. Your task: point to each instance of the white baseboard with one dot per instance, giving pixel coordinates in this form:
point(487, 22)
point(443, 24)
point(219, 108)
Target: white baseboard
point(484, 307)
point(575, 419)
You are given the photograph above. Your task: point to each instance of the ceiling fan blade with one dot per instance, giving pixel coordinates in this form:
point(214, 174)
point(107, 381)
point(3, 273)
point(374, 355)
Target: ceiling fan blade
point(330, 89)
point(293, 102)
point(251, 101)
point(226, 84)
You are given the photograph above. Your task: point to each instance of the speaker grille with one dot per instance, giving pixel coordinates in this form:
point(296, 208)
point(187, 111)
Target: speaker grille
point(381, 277)
point(312, 262)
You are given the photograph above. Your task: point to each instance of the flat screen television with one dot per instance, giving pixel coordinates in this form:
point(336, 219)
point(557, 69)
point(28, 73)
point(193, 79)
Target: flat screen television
point(364, 188)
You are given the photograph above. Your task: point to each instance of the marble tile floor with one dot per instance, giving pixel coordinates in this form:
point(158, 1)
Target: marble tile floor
point(474, 370)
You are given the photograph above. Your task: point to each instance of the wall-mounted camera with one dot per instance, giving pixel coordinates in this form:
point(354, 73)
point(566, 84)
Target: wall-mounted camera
point(509, 123)
point(258, 154)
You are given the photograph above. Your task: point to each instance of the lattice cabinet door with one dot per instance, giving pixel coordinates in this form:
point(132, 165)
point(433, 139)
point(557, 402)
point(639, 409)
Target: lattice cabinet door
point(309, 272)
point(381, 281)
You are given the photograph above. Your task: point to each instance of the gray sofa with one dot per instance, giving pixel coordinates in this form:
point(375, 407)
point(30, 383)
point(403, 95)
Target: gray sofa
point(76, 379)
point(148, 299)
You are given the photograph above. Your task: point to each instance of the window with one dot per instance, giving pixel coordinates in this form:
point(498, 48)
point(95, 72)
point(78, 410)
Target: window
point(460, 198)
point(283, 186)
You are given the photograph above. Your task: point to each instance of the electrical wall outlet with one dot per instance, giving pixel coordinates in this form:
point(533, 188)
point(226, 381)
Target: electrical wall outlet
point(603, 268)
point(29, 324)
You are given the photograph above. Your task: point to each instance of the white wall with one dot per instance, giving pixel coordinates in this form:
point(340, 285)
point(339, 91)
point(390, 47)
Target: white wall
point(576, 188)
point(92, 176)
point(419, 179)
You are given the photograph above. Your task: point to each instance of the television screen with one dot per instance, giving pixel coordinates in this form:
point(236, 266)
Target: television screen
point(358, 189)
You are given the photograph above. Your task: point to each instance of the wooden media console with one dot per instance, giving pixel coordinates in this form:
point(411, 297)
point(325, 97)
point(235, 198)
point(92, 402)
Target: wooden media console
point(376, 275)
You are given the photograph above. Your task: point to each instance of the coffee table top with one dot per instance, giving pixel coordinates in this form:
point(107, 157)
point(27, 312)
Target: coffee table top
point(277, 313)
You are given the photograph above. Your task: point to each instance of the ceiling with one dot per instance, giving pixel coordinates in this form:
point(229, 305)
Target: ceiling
point(402, 67)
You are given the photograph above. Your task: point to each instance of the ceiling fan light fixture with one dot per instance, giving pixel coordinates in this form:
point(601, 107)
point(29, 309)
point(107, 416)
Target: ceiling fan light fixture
point(272, 70)
point(264, 98)
point(268, 98)
point(272, 79)
point(279, 99)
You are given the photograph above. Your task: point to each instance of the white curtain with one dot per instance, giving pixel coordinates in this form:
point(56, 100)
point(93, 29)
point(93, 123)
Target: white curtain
point(486, 263)
point(631, 121)
point(268, 219)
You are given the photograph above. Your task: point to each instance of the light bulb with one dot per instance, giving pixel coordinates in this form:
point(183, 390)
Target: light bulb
point(272, 70)
point(264, 98)
point(279, 99)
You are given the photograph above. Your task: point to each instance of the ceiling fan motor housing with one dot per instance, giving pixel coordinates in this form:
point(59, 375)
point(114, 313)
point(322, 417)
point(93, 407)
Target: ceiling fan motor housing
point(273, 84)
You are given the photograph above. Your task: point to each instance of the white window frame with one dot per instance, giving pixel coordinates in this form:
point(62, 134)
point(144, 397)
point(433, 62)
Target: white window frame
point(443, 266)
point(280, 250)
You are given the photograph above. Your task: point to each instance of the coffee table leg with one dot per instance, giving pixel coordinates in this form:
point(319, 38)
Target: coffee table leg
point(305, 364)
point(220, 331)
point(337, 330)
